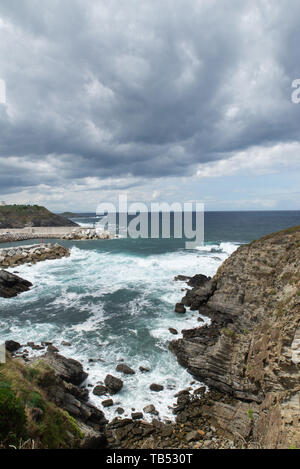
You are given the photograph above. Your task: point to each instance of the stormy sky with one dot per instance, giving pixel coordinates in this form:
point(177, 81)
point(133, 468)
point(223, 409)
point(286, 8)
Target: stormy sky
point(169, 100)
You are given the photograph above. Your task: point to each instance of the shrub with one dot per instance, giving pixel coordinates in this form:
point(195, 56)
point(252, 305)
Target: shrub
point(35, 400)
point(250, 415)
point(12, 415)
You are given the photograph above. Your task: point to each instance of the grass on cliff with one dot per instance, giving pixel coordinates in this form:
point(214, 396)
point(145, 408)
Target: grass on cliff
point(19, 216)
point(25, 412)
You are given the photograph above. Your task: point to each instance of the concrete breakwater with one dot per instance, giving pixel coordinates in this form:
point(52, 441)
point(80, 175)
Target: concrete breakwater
point(85, 233)
point(51, 232)
point(11, 257)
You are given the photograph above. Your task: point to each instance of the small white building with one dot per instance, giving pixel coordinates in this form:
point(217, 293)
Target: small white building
point(2, 203)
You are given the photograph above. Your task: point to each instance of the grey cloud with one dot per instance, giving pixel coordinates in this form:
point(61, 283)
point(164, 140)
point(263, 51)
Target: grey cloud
point(142, 89)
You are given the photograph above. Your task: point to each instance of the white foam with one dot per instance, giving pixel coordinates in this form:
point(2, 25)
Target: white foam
point(76, 294)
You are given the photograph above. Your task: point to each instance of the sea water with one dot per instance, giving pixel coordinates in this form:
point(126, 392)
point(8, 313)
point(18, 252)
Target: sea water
point(114, 302)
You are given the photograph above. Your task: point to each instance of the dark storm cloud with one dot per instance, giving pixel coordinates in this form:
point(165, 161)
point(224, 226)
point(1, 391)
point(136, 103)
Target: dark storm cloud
point(144, 89)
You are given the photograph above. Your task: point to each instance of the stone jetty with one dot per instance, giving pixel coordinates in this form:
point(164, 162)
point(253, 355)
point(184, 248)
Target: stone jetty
point(12, 257)
point(85, 234)
point(52, 232)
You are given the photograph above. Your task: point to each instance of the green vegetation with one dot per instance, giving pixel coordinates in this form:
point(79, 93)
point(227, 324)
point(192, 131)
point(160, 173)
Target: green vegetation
point(12, 415)
point(229, 333)
point(250, 415)
point(20, 216)
point(27, 414)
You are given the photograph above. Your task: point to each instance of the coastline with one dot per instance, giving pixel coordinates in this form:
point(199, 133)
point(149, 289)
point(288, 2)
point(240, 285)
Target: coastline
point(252, 397)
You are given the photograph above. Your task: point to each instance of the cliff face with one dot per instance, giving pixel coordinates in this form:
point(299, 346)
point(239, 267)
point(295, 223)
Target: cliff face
point(11, 285)
point(251, 350)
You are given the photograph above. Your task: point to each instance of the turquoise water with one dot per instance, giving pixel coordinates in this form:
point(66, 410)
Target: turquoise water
point(115, 300)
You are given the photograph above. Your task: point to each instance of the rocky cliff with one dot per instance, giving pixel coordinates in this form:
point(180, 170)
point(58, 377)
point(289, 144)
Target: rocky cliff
point(11, 285)
point(251, 349)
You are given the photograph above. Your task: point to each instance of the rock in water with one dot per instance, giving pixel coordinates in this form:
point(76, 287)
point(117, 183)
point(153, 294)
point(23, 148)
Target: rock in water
point(156, 387)
point(11, 285)
point(144, 370)
point(179, 308)
point(113, 384)
point(198, 280)
point(108, 403)
point(137, 415)
point(100, 390)
point(125, 369)
point(150, 409)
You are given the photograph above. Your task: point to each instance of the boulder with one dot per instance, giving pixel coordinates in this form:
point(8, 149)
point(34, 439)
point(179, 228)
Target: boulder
point(122, 368)
point(182, 278)
point(150, 409)
point(11, 285)
point(144, 370)
point(173, 331)
point(68, 369)
point(179, 308)
point(156, 387)
point(12, 346)
point(108, 403)
point(100, 390)
point(136, 415)
point(113, 384)
point(198, 280)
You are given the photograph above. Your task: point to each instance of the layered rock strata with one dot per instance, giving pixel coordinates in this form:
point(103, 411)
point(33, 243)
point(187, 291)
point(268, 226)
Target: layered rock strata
point(251, 349)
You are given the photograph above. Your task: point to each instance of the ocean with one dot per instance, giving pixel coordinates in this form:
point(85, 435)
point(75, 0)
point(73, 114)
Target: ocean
point(114, 300)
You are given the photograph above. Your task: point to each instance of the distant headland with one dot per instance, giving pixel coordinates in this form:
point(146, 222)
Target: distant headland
point(22, 216)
